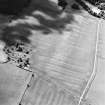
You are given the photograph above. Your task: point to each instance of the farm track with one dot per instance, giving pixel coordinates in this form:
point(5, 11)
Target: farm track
point(92, 77)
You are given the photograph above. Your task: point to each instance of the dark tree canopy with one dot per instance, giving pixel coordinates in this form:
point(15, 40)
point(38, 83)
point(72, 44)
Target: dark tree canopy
point(62, 3)
point(13, 7)
point(94, 1)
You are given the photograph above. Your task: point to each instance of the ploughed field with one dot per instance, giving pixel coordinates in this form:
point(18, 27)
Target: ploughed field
point(62, 67)
point(66, 60)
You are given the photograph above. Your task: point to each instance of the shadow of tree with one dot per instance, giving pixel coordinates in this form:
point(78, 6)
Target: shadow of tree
point(22, 31)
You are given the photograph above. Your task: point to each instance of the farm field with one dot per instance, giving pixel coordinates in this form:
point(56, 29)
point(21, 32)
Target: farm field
point(96, 93)
point(63, 65)
point(13, 82)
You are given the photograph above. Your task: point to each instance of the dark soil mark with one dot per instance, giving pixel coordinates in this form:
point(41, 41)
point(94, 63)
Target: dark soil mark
point(22, 31)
